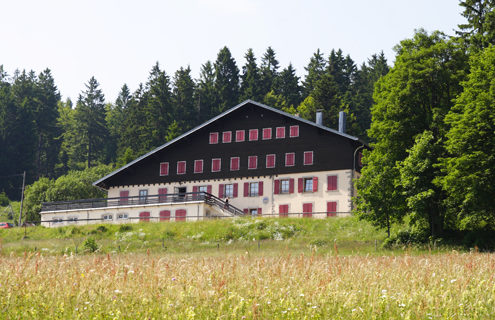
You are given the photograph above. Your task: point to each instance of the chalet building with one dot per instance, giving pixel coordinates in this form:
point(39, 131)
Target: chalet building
point(250, 160)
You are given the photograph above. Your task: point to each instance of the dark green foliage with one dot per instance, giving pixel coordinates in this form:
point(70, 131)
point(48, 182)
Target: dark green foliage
point(90, 245)
point(269, 71)
point(479, 29)
point(205, 94)
point(182, 97)
point(288, 86)
point(226, 81)
point(315, 69)
point(251, 86)
point(4, 200)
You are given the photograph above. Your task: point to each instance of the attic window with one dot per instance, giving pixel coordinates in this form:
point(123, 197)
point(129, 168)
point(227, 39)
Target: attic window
point(267, 133)
point(308, 158)
point(164, 169)
point(198, 166)
point(270, 161)
point(213, 137)
point(280, 133)
point(234, 163)
point(290, 159)
point(294, 131)
point(181, 167)
point(240, 136)
point(216, 165)
point(227, 137)
point(252, 162)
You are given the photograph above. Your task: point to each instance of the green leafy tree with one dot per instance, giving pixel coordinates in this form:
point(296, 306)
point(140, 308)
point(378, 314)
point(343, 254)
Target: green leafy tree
point(470, 176)
point(226, 81)
point(413, 97)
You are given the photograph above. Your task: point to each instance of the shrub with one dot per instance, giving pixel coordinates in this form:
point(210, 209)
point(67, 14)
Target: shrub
point(90, 245)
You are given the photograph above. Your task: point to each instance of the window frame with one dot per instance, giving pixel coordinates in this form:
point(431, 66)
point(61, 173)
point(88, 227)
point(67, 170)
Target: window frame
point(306, 184)
point(228, 190)
point(257, 134)
point(143, 195)
point(122, 216)
point(202, 165)
point(164, 165)
point(263, 133)
point(312, 158)
point(217, 137)
point(293, 160)
point(282, 183)
point(277, 131)
point(179, 165)
point(238, 163)
point(274, 160)
point(229, 134)
point(249, 162)
point(296, 127)
point(237, 132)
point(219, 164)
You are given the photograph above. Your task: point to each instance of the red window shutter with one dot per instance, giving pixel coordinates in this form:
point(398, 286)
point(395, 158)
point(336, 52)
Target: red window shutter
point(208, 188)
point(283, 210)
point(291, 186)
point(315, 184)
point(181, 167)
point(180, 215)
point(259, 211)
point(267, 133)
point(253, 134)
point(164, 168)
point(144, 216)
point(198, 166)
point(213, 137)
point(300, 185)
point(220, 191)
point(216, 165)
point(252, 162)
point(270, 160)
point(162, 194)
point(280, 134)
point(246, 189)
point(124, 197)
point(239, 135)
point(164, 215)
point(195, 188)
point(246, 211)
point(308, 157)
point(260, 188)
point(294, 131)
point(227, 137)
point(236, 187)
point(307, 210)
point(276, 187)
point(331, 209)
point(332, 183)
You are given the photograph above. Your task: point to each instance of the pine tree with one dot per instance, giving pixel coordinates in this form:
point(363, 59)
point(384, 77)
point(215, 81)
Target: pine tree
point(269, 71)
point(116, 120)
point(289, 87)
point(251, 81)
point(226, 80)
point(315, 70)
point(479, 31)
point(183, 99)
point(205, 94)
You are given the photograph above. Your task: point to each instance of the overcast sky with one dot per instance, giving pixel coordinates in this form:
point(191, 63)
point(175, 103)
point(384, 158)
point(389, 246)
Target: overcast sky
point(119, 41)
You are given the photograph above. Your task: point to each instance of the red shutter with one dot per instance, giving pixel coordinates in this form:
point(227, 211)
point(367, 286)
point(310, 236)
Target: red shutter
point(259, 211)
point(235, 189)
point(208, 188)
point(260, 188)
point(331, 209)
point(291, 186)
point(124, 197)
point(307, 210)
point(332, 183)
point(315, 184)
point(195, 188)
point(246, 211)
point(164, 215)
point(180, 215)
point(220, 191)
point(144, 216)
point(283, 210)
point(162, 194)
point(277, 187)
point(246, 189)
point(300, 185)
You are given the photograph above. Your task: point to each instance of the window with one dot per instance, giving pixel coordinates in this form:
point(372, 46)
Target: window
point(307, 210)
point(122, 216)
point(165, 215)
point(72, 220)
point(227, 137)
point(143, 196)
point(280, 133)
point(240, 136)
point(267, 133)
point(290, 159)
point(252, 162)
point(181, 167)
point(308, 158)
point(228, 190)
point(294, 131)
point(57, 220)
point(270, 161)
point(198, 166)
point(213, 137)
point(162, 194)
point(332, 183)
point(107, 217)
point(308, 184)
point(144, 216)
point(284, 186)
point(253, 134)
point(331, 208)
point(283, 210)
point(255, 211)
point(180, 214)
point(234, 163)
point(216, 165)
point(164, 169)
point(253, 189)
point(203, 189)
point(124, 197)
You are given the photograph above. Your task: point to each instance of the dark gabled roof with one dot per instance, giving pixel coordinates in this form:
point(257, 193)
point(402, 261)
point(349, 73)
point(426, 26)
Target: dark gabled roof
point(240, 105)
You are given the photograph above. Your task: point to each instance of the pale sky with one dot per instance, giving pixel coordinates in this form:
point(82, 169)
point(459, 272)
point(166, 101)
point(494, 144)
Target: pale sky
point(119, 41)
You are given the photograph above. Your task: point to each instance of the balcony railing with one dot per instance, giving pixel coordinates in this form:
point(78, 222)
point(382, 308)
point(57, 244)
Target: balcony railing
point(139, 200)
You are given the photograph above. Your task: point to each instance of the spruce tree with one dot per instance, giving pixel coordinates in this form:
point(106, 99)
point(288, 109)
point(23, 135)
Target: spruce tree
point(183, 99)
point(205, 94)
point(251, 79)
point(289, 87)
point(226, 81)
point(315, 70)
point(269, 71)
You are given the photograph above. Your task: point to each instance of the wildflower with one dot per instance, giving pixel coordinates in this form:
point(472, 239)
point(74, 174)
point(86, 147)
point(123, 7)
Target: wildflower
point(173, 279)
point(117, 291)
point(453, 280)
point(384, 291)
point(402, 305)
point(301, 295)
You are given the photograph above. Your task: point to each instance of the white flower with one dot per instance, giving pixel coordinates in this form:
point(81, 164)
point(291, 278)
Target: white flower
point(117, 291)
point(453, 280)
point(301, 295)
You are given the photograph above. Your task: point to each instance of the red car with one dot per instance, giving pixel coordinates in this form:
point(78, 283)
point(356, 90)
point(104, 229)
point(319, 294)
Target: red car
point(6, 225)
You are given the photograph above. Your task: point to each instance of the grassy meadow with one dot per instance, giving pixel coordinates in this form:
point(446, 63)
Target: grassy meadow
point(237, 269)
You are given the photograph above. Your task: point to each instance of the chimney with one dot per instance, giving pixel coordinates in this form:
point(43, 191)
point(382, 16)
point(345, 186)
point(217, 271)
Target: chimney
point(319, 117)
point(342, 122)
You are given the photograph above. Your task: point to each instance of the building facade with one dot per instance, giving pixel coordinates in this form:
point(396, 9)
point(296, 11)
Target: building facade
point(260, 160)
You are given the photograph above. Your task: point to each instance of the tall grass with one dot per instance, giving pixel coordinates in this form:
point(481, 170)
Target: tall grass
point(247, 286)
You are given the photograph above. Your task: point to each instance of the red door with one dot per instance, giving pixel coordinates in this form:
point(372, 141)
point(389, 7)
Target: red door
point(307, 210)
point(331, 209)
point(165, 215)
point(283, 210)
point(144, 216)
point(124, 197)
point(180, 215)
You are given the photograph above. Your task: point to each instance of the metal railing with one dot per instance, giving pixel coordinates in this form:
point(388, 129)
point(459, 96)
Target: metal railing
point(141, 200)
